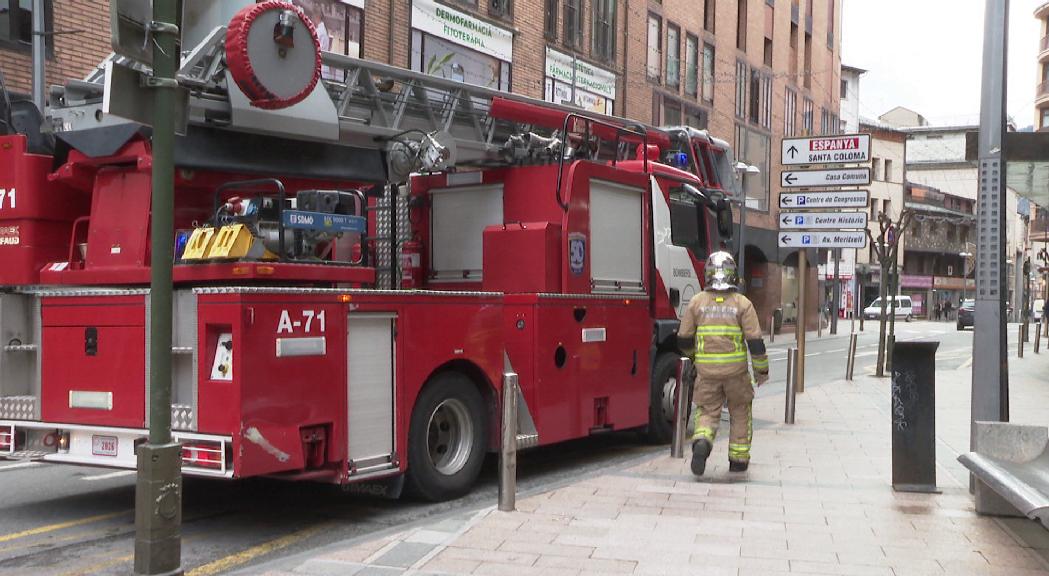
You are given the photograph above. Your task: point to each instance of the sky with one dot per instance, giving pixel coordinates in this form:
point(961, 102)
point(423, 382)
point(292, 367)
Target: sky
point(927, 55)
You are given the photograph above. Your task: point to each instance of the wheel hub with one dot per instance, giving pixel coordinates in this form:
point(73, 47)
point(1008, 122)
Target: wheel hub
point(449, 436)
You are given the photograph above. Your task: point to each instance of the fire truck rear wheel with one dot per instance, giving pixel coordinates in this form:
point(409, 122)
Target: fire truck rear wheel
point(446, 438)
point(661, 405)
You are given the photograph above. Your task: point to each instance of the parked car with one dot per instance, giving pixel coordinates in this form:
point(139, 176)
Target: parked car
point(965, 314)
point(1039, 308)
point(904, 308)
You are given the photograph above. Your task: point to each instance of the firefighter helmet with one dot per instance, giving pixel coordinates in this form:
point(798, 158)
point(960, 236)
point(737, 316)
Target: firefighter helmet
point(720, 271)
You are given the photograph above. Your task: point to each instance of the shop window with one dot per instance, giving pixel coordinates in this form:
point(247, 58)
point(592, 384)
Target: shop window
point(445, 59)
point(338, 29)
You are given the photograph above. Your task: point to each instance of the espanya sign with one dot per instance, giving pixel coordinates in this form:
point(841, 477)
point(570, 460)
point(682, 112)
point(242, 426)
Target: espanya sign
point(587, 77)
point(463, 29)
point(842, 149)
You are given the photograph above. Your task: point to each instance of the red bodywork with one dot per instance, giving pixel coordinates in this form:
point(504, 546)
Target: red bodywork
point(584, 360)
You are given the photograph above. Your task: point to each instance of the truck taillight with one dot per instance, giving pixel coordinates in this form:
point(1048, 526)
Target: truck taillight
point(7, 439)
point(202, 454)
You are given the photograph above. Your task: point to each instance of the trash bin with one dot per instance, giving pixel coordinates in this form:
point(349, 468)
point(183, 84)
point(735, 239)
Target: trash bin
point(777, 320)
point(914, 416)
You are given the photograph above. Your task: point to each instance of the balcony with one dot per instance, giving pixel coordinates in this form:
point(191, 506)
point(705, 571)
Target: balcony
point(1042, 11)
point(1043, 48)
point(1042, 92)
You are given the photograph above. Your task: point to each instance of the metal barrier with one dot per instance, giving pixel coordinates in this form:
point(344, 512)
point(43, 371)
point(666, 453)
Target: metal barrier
point(508, 446)
point(792, 376)
point(850, 365)
point(1020, 342)
point(682, 406)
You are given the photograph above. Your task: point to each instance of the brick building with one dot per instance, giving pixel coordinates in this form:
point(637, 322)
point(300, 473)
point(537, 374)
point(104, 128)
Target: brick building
point(749, 71)
point(79, 40)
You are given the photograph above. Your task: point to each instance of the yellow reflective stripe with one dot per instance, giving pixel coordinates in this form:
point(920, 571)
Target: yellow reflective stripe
point(725, 329)
point(707, 433)
point(726, 358)
point(760, 364)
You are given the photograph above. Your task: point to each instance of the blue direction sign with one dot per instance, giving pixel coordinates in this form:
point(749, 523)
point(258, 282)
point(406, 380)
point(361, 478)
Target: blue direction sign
point(822, 220)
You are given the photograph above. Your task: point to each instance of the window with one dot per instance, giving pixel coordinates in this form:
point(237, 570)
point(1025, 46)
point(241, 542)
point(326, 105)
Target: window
point(501, 8)
point(688, 224)
point(806, 116)
point(696, 118)
point(876, 168)
point(888, 170)
point(741, 89)
point(16, 22)
point(550, 19)
point(808, 61)
point(794, 52)
point(768, 52)
point(691, 65)
point(844, 89)
point(604, 35)
point(708, 72)
point(741, 25)
point(753, 147)
point(755, 95)
point(790, 113)
point(673, 56)
point(824, 121)
point(709, 13)
point(439, 57)
point(655, 46)
point(765, 117)
point(830, 23)
point(1045, 118)
point(573, 33)
point(338, 30)
point(671, 112)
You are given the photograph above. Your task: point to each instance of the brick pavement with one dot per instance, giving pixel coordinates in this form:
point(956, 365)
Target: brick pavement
point(817, 500)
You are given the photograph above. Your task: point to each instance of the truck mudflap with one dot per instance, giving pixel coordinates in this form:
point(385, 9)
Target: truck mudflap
point(202, 454)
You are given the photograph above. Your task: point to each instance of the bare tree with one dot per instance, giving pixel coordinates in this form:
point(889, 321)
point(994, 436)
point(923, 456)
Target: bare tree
point(886, 247)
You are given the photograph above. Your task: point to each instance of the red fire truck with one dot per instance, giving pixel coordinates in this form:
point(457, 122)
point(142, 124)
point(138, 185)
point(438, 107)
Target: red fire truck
point(356, 267)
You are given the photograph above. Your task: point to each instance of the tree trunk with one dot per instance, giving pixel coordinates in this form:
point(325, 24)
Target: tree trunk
point(882, 293)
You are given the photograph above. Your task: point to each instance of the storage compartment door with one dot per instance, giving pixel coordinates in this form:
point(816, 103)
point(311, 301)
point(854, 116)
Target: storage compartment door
point(370, 392)
point(616, 243)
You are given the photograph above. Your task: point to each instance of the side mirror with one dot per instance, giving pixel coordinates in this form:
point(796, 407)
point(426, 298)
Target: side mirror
point(724, 210)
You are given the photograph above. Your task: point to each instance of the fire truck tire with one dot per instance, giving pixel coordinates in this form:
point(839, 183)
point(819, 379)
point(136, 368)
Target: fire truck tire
point(446, 438)
point(661, 406)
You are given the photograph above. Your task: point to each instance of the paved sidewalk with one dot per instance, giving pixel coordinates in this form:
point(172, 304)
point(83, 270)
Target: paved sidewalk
point(817, 500)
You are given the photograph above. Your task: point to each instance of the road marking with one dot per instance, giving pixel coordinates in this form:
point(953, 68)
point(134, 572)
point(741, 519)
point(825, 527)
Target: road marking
point(95, 568)
point(19, 465)
point(245, 556)
point(107, 476)
point(61, 525)
point(834, 351)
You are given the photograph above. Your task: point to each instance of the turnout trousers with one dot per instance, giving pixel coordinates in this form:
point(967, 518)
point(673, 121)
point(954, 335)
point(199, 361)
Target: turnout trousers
point(710, 395)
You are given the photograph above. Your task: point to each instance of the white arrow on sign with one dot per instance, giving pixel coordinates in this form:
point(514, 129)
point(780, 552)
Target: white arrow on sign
point(830, 239)
point(822, 220)
point(825, 178)
point(832, 199)
point(843, 149)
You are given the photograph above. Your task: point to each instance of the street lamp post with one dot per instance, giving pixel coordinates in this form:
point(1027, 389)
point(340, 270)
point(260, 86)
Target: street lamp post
point(742, 169)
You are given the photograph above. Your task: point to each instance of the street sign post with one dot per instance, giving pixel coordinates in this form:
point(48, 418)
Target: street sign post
point(829, 239)
point(843, 149)
point(820, 178)
point(833, 199)
point(821, 220)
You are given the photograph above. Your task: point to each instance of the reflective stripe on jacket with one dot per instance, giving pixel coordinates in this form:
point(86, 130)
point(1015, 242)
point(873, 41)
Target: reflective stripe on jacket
point(722, 322)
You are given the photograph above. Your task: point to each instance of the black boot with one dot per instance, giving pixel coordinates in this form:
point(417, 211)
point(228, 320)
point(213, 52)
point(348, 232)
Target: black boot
point(700, 451)
point(738, 465)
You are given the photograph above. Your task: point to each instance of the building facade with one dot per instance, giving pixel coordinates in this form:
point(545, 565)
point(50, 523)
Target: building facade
point(749, 71)
point(888, 149)
point(78, 40)
point(1041, 97)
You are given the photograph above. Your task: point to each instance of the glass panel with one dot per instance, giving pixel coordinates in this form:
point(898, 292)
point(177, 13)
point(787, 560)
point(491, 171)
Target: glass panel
point(673, 56)
point(691, 65)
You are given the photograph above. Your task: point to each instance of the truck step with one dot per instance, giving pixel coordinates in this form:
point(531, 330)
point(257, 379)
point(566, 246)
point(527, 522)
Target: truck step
point(28, 455)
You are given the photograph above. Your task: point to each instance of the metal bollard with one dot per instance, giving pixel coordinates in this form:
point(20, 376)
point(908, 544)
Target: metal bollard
point(850, 365)
point(1037, 340)
point(1020, 342)
point(861, 322)
point(508, 448)
point(772, 328)
point(792, 376)
point(682, 407)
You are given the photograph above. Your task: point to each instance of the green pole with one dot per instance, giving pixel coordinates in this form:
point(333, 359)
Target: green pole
point(158, 492)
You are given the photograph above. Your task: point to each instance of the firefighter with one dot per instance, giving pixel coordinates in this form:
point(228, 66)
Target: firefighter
point(716, 324)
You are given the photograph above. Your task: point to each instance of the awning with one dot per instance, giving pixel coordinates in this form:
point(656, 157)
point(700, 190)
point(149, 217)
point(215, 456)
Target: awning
point(1027, 163)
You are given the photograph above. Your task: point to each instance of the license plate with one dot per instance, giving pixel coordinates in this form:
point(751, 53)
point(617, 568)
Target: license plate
point(104, 445)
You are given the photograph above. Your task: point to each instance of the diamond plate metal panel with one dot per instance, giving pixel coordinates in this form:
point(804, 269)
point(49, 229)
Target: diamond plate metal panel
point(17, 407)
point(181, 417)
